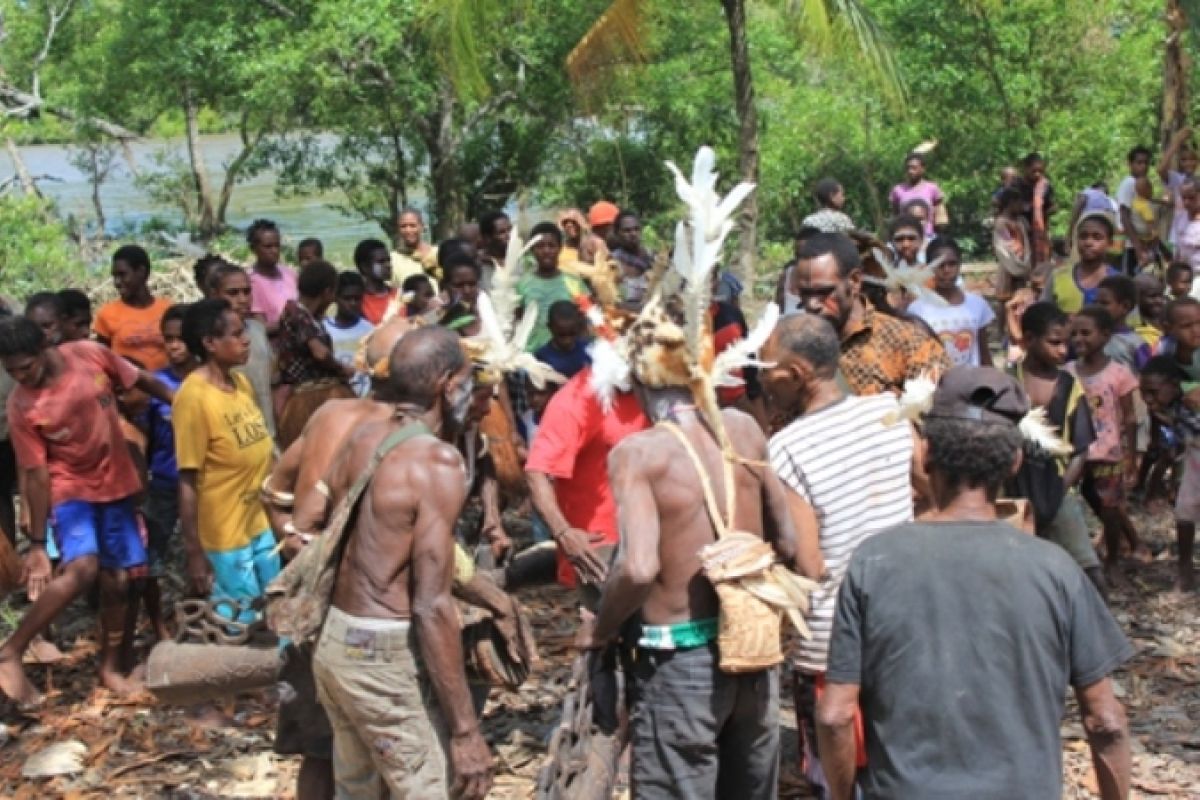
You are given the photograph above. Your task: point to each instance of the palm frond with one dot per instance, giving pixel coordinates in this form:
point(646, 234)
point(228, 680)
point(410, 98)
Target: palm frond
point(827, 24)
point(616, 37)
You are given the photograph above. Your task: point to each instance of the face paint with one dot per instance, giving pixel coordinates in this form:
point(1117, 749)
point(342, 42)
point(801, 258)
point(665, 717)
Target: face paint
point(459, 402)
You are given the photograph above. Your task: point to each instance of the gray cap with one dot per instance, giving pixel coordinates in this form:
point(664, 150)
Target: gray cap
point(979, 394)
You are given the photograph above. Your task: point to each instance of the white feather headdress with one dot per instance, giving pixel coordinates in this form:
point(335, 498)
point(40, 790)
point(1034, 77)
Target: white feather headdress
point(662, 350)
point(914, 280)
point(500, 346)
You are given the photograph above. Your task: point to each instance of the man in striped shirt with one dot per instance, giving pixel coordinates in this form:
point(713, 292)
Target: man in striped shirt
point(849, 475)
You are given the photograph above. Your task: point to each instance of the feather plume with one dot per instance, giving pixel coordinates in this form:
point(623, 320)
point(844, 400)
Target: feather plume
point(913, 280)
point(916, 400)
point(610, 371)
point(699, 239)
point(1035, 427)
point(505, 300)
point(925, 147)
point(743, 353)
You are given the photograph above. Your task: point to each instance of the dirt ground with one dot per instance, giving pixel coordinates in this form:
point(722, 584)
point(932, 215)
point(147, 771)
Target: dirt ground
point(143, 749)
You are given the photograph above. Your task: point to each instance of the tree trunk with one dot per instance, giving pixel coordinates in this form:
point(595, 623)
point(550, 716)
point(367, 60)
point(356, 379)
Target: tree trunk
point(234, 170)
point(205, 216)
point(28, 184)
point(446, 204)
point(1175, 72)
point(98, 173)
point(743, 88)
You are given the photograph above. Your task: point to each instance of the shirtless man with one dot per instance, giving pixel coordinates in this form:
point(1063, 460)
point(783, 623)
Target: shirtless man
point(697, 732)
point(303, 726)
point(392, 630)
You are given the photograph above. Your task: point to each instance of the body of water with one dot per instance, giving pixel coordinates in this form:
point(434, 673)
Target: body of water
point(126, 206)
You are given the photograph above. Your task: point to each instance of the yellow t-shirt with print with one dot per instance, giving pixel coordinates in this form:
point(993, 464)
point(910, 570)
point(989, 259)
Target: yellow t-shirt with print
point(223, 437)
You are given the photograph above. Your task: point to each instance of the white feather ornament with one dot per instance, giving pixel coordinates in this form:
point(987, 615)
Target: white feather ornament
point(916, 400)
point(610, 371)
point(913, 280)
point(744, 352)
point(1035, 427)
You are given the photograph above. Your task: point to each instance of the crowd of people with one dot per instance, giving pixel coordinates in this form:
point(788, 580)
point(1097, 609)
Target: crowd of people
point(919, 452)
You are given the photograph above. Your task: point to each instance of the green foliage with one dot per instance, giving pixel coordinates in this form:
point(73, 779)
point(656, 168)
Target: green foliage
point(35, 251)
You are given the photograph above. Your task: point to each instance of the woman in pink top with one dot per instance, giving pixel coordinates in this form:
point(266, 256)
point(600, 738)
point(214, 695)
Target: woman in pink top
point(272, 283)
point(916, 187)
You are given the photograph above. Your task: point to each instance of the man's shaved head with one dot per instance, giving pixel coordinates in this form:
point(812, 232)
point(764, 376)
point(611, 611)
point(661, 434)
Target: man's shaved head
point(420, 359)
point(811, 337)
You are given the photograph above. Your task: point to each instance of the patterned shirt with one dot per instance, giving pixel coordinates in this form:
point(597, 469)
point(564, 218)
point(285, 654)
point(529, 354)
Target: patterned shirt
point(297, 327)
point(880, 353)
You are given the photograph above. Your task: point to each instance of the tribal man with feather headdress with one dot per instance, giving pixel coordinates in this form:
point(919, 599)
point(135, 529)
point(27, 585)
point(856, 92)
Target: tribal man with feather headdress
point(699, 585)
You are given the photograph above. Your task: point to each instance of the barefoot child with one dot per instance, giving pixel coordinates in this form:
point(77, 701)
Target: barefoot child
point(1109, 388)
point(162, 497)
point(1045, 479)
point(1161, 386)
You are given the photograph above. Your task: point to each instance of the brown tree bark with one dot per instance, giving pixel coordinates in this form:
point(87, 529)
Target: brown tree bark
point(1175, 71)
point(743, 88)
point(206, 225)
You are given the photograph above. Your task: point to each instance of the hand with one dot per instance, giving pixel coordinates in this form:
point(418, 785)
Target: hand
point(509, 630)
point(200, 573)
point(292, 545)
point(495, 535)
point(472, 764)
point(585, 639)
point(576, 546)
point(37, 570)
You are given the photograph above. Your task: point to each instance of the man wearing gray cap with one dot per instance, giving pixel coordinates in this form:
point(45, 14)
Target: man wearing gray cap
point(959, 634)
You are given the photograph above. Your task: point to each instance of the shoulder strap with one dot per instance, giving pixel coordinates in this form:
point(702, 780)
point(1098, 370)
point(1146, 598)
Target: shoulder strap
point(393, 440)
point(721, 525)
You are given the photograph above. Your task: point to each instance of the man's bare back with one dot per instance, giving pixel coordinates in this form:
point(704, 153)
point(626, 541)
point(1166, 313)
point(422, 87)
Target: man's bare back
point(419, 488)
point(660, 499)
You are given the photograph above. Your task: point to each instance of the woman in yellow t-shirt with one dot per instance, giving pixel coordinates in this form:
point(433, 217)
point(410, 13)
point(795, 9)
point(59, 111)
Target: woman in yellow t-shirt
point(132, 324)
point(224, 453)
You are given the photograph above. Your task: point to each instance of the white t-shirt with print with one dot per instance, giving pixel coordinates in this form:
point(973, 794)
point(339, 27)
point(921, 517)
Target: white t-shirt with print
point(957, 326)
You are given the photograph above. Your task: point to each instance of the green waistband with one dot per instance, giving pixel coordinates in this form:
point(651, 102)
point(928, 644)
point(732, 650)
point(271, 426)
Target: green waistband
point(679, 635)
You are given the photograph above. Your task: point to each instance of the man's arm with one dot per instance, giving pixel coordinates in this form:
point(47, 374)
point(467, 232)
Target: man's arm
point(489, 497)
point(1108, 737)
point(436, 617)
point(835, 737)
point(35, 493)
point(637, 564)
point(808, 560)
point(154, 387)
point(282, 481)
point(574, 543)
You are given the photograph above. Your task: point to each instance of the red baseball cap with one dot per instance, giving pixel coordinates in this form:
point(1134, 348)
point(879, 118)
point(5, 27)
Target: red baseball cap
point(602, 213)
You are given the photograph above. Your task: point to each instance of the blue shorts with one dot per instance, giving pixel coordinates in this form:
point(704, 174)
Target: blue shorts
point(106, 530)
point(244, 572)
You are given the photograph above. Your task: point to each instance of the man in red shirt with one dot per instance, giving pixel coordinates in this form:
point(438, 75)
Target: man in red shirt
point(568, 474)
point(77, 469)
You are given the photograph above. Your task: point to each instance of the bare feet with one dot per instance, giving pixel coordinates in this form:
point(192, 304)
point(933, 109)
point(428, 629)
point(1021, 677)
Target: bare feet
point(120, 684)
point(42, 651)
point(1142, 555)
point(15, 683)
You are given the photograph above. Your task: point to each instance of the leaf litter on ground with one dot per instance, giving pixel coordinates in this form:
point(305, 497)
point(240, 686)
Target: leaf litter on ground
point(142, 749)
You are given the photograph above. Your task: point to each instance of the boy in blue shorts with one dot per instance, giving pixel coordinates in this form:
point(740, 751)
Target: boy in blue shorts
point(77, 469)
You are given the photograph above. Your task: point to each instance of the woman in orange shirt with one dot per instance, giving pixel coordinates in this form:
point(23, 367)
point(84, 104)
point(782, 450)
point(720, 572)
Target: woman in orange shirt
point(132, 325)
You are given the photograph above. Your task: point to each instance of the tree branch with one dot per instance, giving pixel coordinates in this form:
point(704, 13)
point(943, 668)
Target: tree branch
point(278, 8)
point(26, 103)
point(489, 106)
